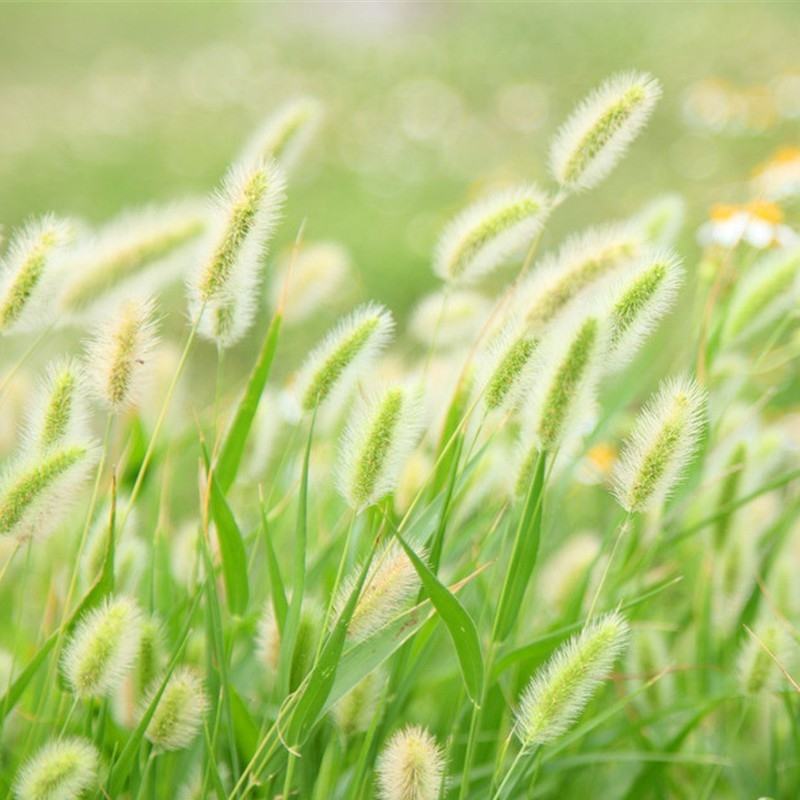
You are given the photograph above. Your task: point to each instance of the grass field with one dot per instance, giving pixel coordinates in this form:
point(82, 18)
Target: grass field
point(399, 400)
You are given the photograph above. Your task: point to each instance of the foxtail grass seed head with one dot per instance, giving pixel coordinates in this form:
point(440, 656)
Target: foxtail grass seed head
point(317, 274)
point(380, 436)
point(642, 296)
point(118, 355)
point(760, 656)
point(345, 354)
point(64, 769)
point(285, 135)
point(37, 490)
point(355, 711)
point(268, 641)
point(664, 438)
point(569, 362)
point(449, 319)
point(59, 413)
point(25, 287)
point(575, 271)
point(490, 232)
point(103, 648)
point(224, 292)
point(595, 136)
point(141, 251)
point(661, 220)
point(411, 766)
point(391, 582)
point(561, 689)
point(505, 367)
point(179, 714)
point(768, 289)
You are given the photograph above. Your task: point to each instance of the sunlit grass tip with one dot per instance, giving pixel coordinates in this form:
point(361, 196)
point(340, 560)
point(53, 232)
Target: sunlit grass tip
point(597, 133)
point(224, 292)
point(141, 251)
point(561, 689)
point(664, 438)
point(285, 135)
point(180, 711)
point(26, 285)
point(391, 583)
point(103, 648)
point(490, 232)
point(411, 766)
point(381, 433)
point(117, 362)
point(38, 489)
point(345, 353)
point(64, 769)
point(59, 409)
point(641, 297)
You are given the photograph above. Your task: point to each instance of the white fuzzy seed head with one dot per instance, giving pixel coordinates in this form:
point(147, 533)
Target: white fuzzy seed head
point(569, 363)
point(63, 769)
point(561, 689)
point(59, 413)
point(103, 648)
point(661, 220)
point(268, 641)
point(490, 232)
point(354, 712)
point(180, 711)
point(315, 276)
point(411, 766)
point(760, 654)
point(118, 354)
point(664, 438)
point(285, 134)
point(391, 582)
point(595, 136)
point(345, 354)
point(25, 285)
point(37, 490)
point(448, 319)
point(224, 291)
point(641, 297)
point(378, 440)
point(141, 251)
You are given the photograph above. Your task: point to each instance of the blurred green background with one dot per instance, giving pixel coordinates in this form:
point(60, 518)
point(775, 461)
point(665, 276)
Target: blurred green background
point(108, 105)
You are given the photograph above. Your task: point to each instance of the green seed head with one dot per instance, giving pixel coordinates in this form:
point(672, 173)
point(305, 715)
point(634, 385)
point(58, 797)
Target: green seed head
point(507, 370)
point(410, 767)
point(180, 711)
point(64, 769)
point(59, 414)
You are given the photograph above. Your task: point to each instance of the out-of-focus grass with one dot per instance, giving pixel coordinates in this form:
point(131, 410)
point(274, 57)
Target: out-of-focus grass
point(105, 105)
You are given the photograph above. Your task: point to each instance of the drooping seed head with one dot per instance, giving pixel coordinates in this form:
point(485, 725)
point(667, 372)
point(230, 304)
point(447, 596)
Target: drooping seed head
point(59, 413)
point(117, 356)
point(561, 689)
point(449, 319)
point(380, 436)
point(411, 766)
point(314, 276)
point(759, 657)
point(141, 251)
point(37, 490)
point(768, 289)
point(338, 361)
point(391, 582)
point(224, 292)
point(103, 648)
point(642, 296)
point(285, 134)
point(575, 271)
point(64, 769)
point(180, 711)
point(664, 438)
point(489, 232)
point(355, 711)
point(24, 285)
point(505, 368)
point(661, 220)
point(569, 362)
point(595, 136)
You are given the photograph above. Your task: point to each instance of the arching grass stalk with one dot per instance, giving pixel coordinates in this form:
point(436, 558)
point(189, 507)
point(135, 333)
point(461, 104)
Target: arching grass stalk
point(21, 361)
point(622, 531)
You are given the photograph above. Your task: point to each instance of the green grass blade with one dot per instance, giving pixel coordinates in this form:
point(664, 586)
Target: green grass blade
point(277, 590)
